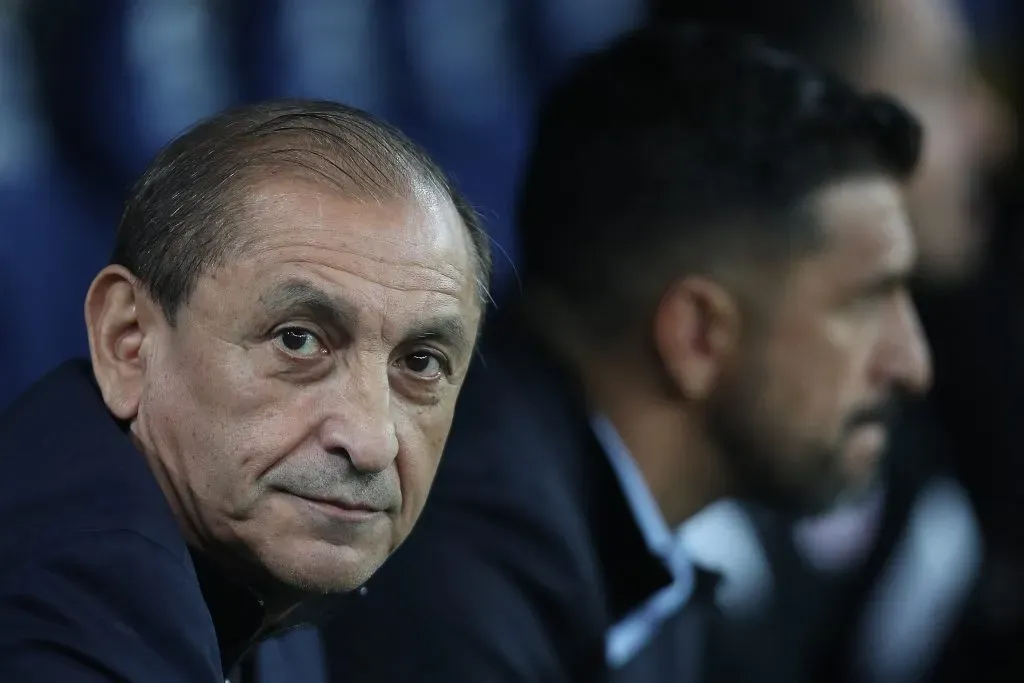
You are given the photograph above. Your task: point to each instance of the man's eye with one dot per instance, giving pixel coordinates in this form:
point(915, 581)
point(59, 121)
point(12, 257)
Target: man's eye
point(299, 342)
point(425, 364)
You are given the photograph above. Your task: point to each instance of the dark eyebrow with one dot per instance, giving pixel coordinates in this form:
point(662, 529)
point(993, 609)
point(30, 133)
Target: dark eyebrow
point(302, 298)
point(298, 297)
point(448, 330)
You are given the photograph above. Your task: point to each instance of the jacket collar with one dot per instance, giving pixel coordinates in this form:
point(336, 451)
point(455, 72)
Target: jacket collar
point(238, 614)
point(631, 572)
point(236, 611)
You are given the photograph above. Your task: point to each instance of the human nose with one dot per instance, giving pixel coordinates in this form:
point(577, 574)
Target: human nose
point(906, 358)
point(359, 423)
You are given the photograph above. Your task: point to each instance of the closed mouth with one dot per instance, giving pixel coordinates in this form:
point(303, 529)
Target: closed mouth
point(339, 505)
point(345, 505)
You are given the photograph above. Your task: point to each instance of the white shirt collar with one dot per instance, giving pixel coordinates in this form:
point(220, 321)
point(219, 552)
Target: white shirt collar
point(660, 539)
point(625, 639)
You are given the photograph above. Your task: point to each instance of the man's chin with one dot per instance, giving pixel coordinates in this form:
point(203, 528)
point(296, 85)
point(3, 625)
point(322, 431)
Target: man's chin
point(797, 502)
point(317, 567)
point(851, 491)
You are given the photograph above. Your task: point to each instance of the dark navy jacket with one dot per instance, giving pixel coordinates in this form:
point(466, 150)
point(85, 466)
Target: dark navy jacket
point(96, 581)
point(525, 555)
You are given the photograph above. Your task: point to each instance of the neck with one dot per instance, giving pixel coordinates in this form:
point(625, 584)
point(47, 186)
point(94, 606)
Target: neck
point(276, 603)
point(239, 614)
point(675, 460)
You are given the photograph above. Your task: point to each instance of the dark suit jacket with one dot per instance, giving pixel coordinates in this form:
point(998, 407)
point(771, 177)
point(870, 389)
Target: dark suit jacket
point(96, 581)
point(525, 554)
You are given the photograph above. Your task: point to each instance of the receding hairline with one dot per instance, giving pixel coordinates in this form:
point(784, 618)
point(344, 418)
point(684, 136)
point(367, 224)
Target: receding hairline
point(748, 263)
point(423, 196)
point(382, 169)
point(183, 218)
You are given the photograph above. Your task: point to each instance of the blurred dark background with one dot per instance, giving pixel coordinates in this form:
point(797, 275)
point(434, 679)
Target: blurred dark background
point(90, 89)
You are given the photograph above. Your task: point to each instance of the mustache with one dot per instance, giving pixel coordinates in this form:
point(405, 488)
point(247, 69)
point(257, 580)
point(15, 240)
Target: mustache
point(334, 480)
point(886, 412)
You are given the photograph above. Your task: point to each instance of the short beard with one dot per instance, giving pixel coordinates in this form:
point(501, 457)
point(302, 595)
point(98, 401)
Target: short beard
point(754, 452)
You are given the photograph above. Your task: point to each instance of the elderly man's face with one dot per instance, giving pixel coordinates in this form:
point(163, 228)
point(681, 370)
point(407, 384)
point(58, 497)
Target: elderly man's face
point(302, 399)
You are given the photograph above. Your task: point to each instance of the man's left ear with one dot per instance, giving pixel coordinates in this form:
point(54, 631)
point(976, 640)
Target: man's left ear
point(120, 318)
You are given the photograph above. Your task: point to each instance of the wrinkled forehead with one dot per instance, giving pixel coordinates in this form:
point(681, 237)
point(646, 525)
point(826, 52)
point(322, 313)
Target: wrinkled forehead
point(420, 220)
point(390, 257)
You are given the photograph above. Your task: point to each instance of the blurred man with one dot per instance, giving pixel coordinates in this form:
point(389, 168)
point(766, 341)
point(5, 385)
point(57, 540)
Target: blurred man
point(715, 253)
point(870, 553)
point(920, 51)
point(276, 351)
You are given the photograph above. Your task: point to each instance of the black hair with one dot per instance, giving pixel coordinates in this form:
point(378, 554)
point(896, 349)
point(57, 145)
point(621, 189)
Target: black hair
point(654, 154)
point(181, 218)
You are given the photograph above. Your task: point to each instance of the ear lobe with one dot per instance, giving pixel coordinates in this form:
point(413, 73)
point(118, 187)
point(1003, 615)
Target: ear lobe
point(696, 330)
point(116, 310)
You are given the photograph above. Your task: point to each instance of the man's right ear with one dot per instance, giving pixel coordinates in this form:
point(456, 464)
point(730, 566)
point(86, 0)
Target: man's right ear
point(696, 331)
point(119, 317)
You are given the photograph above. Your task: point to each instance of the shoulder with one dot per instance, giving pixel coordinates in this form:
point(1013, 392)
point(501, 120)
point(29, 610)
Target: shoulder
point(517, 459)
point(517, 416)
point(109, 602)
point(72, 469)
point(511, 474)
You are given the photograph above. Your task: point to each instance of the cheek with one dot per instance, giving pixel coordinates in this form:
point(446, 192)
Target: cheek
point(844, 370)
point(422, 436)
point(811, 380)
point(224, 426)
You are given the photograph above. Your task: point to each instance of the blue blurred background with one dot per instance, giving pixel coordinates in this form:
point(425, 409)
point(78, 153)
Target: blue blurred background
point(89, 90)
